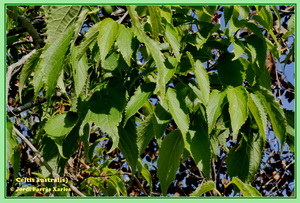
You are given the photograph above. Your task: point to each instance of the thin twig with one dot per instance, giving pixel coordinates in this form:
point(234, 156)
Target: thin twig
point(48, 167)
point(26, 106)
point(25, 22)
point(140, 185)
point(123, 17)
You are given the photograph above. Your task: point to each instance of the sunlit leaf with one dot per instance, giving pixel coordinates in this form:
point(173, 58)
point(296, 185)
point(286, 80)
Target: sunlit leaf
point(124, 41)
point(204, 188)
point(52, 61)
point(59, 19)
point(108, 33)
point(246, 189)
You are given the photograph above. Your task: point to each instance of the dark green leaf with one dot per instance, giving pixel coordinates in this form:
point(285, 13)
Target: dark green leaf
point(244, 161)
point(145, 133)
point(230, 72)
point(257, 48)
point(238, 110)
point(169, 159)
point(128, 144)
point(27, 69)
point(257, 110)
point(105, 108)
point(274, 111)
point(199, 144)
point(227, 13)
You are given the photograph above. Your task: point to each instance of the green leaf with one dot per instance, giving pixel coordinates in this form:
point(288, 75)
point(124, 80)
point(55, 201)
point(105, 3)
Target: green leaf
point(265, 13)
point(79, 23)
point(202, 37)
point(145, 133)
point(124, 41)
point(243, 11)
point(146, 174)
point(141, 95)
point(169, 159)
point(80, 70)
point(27, 69)
point(108, 33)
point(105, 108)
point(51, 154)
point(200, 147)
point(257, 110)
point(90, 36)
point(202, 80)
point(205, 13)
point(246, 189)
point(257, 48)
point(61, 124)
point(173, 39)
point(84, 133)
point(228, 10)
point(214, 108)
point(59, 19)
point(153, 48)
point(238, 47)
point(118, 185)
point(128, 144)
point(70, 143)
point(238, 110)
point(274, 111)
point(12, 150)
point(244, 161)
point(230, 72)
point(290, 128)
point(178, 110)
point(155, 20)
point(204, 188)
point(52, 61)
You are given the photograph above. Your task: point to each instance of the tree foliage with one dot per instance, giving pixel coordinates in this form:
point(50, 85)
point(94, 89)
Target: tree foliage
point(150, 100)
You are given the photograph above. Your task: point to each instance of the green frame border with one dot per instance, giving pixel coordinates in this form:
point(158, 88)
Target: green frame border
point(134, 2)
